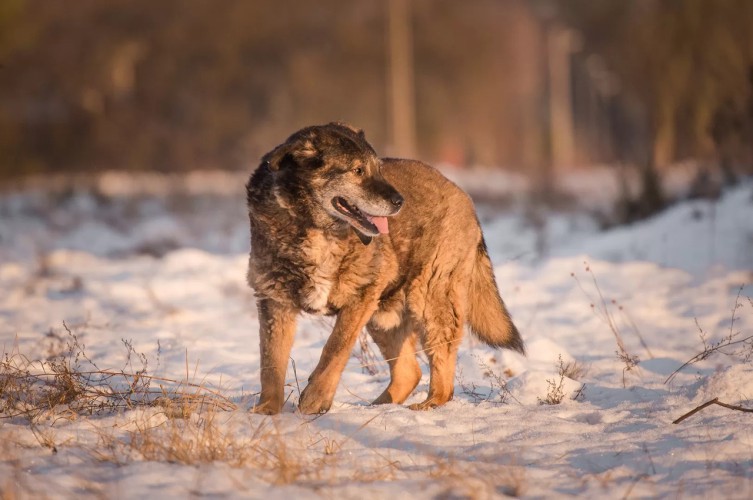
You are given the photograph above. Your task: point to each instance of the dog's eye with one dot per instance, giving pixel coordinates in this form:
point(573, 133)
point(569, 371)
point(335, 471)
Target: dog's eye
point(358, 171)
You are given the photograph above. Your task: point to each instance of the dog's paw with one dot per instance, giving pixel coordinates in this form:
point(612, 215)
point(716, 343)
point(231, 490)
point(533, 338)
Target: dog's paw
point(422, 406)
point(314, 400)
point(267, 408)
point(428, 404)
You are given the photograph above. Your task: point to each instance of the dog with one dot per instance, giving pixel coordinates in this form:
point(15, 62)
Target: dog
point(386, 244)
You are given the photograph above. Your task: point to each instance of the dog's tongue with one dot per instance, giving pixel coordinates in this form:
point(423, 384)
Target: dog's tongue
point(380, 223)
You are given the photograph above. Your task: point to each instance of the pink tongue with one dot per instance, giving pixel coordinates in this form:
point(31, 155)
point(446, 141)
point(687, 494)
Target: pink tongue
point(380, 223)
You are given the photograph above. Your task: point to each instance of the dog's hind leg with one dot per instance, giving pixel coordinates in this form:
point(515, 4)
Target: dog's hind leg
point(277, 330)
point(442, 333)
point(442, 358)
point(398, 346)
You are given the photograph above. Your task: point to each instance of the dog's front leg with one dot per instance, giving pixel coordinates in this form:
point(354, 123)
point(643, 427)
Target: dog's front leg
point(318, 395)
point(276, 333)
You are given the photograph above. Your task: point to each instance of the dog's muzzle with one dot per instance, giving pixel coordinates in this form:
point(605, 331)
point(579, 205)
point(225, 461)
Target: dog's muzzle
point(366, 223)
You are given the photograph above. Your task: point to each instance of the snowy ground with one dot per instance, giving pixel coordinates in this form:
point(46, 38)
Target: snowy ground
point(161, 265)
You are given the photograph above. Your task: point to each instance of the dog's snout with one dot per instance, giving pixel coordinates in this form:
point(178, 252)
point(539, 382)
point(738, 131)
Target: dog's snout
point(397, 200)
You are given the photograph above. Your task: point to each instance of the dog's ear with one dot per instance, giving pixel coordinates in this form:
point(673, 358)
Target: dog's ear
point(359, 132)
point(300, 151)
point(350, 127)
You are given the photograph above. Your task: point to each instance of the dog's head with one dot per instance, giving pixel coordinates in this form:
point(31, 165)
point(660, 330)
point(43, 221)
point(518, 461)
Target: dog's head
point(340, 173)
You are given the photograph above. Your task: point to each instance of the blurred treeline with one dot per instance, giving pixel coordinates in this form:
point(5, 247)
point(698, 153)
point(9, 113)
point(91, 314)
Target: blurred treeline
point(530, 85)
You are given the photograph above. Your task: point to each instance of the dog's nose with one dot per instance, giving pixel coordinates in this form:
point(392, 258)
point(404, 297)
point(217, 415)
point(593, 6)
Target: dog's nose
point(397, 200)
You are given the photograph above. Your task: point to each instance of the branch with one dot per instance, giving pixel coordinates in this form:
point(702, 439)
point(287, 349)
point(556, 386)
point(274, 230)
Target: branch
point(729, 340)
point(714, 401)
point(705, 354)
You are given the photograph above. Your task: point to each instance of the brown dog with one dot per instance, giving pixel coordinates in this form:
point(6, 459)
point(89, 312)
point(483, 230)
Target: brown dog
point(387, 244)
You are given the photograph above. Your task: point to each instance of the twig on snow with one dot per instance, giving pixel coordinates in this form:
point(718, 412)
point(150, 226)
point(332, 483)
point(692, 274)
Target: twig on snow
point(714, 401)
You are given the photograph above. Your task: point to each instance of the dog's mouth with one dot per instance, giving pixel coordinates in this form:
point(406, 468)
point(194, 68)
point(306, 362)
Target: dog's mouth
point(370, 225)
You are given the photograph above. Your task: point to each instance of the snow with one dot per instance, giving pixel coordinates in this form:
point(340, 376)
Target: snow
point(145, 262)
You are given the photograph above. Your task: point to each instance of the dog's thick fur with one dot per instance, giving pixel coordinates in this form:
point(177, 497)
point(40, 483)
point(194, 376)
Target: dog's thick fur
point(319, 205)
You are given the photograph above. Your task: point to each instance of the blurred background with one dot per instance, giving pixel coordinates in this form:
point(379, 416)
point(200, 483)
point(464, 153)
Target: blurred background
point(537, 87)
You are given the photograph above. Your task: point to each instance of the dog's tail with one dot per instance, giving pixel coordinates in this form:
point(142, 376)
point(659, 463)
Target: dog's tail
point(487, 314)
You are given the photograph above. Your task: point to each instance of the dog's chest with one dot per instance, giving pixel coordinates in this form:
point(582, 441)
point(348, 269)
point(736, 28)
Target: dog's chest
point(323, 270)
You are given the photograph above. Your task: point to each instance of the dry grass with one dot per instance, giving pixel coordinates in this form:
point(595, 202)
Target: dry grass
point(572, 369)
point(734, 344)
point(477, 479)
point(603, 309)
point(556, 390)
point(272, 452)
point(498, 391)
point(155, 419)
point(69, 384)
point(197, 439)
point(556, 387)
point(206, 437)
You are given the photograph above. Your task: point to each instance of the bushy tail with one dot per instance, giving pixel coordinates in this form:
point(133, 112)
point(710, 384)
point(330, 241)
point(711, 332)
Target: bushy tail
point(487, 315)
